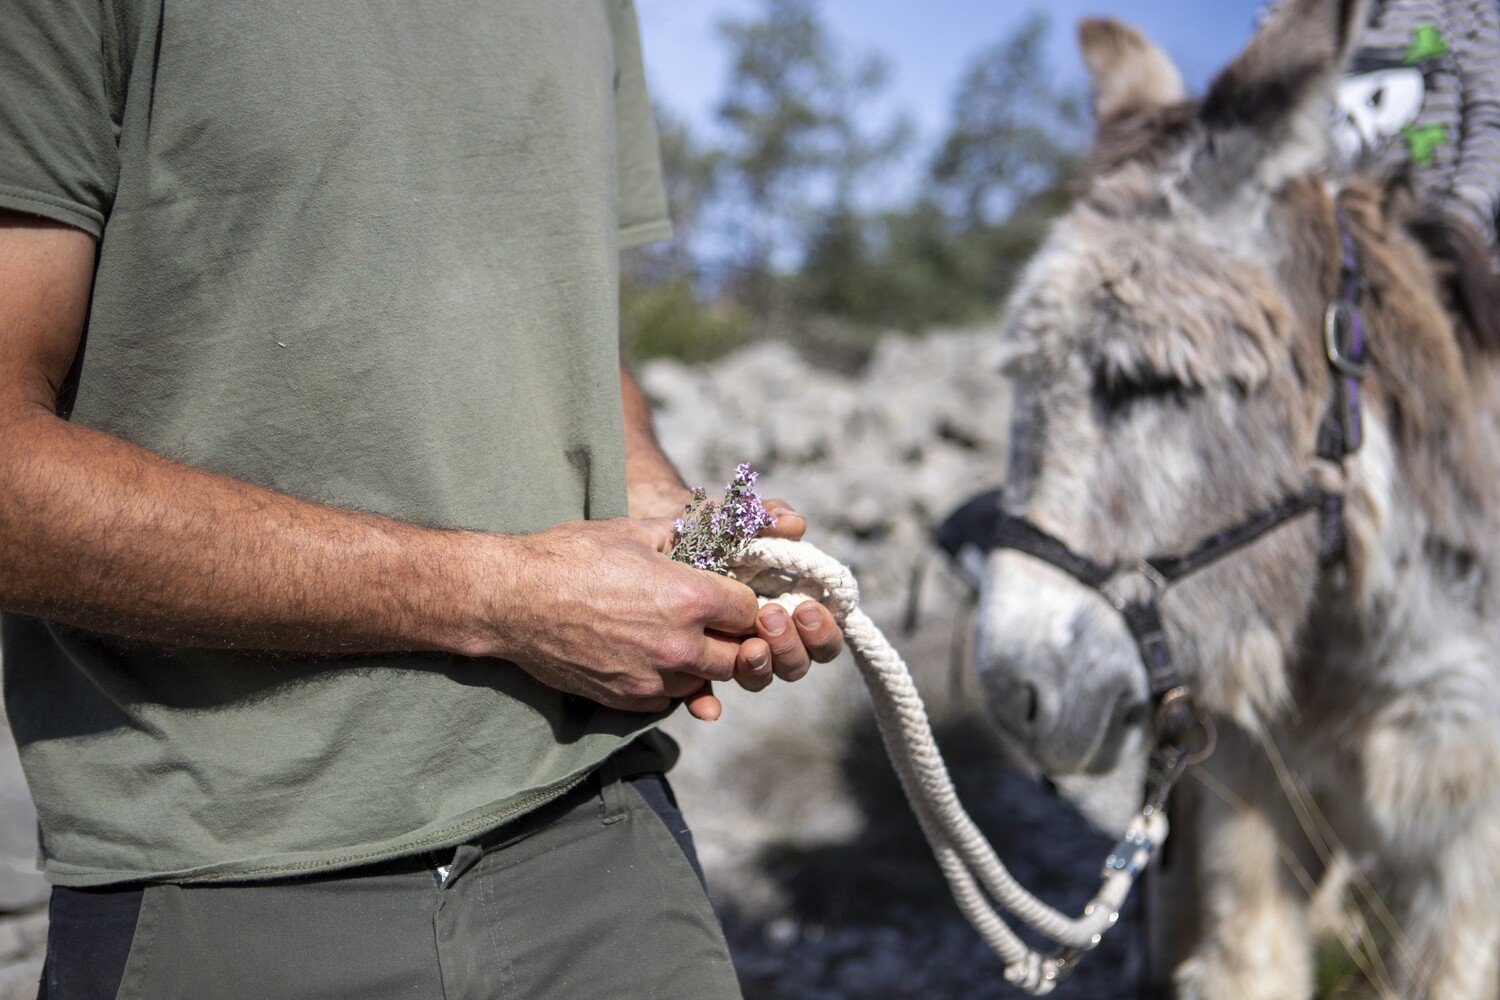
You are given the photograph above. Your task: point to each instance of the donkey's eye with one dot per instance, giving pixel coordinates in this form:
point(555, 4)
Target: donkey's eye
point(1115, 392)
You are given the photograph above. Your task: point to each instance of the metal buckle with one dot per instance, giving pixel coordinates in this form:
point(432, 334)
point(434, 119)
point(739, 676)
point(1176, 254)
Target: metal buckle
point(1338, 340)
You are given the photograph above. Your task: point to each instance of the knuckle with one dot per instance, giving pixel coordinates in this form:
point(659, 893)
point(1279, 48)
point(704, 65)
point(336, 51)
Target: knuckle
point(644, 687)
point(692, 600)
point(679, 655)
point(786, 644)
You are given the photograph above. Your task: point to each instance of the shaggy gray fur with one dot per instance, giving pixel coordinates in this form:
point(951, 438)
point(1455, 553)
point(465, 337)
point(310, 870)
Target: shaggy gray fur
point(1170, 381)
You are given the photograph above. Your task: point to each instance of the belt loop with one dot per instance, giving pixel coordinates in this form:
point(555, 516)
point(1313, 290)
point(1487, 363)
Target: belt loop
point(611, 792)
point(465, 856)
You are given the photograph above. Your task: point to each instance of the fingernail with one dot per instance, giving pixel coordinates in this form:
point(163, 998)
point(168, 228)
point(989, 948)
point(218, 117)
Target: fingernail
point(774, 621)
point(760, 664)
point(809, 617)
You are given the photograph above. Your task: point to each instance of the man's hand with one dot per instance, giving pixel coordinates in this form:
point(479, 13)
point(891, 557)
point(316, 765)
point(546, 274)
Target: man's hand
point(787, 647)
point(780, 646)
point(779, 650)
point(598, 609)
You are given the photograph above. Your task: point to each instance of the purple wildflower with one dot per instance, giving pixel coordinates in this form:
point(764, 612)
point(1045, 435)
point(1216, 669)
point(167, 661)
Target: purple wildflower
point(712, 534)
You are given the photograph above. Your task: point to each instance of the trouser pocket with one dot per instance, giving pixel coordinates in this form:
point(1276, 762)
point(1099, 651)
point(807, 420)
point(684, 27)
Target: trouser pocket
point(343, 937)
point(603, 902)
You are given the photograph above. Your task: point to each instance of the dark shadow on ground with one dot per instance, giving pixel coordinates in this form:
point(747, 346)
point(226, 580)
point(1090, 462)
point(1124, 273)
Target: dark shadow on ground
point(871, 918)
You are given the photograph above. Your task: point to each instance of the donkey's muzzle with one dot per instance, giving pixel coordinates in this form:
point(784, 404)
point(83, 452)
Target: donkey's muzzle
point(1067, 726)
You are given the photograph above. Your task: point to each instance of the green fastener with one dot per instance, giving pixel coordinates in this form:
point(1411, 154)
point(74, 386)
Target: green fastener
point(1426, 43)
point(1423, 141)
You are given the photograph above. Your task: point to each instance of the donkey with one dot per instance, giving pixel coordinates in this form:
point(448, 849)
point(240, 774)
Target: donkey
point(1172, 379)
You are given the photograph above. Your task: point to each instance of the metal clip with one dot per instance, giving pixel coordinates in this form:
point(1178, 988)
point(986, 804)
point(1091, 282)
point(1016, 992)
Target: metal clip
point(1131, 854)
point(1063, 964)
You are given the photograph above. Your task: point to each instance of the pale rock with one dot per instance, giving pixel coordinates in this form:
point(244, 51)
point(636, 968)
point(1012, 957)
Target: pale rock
point(21, 885)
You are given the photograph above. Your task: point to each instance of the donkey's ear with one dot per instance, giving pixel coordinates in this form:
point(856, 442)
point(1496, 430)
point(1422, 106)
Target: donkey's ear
point(1127, 74)
point(1284, 80)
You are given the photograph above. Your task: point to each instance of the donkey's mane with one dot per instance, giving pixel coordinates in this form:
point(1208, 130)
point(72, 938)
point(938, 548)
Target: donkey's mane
point(1462, 261)
point(1460, 258)
point(1432, 375)
point(1430, 301)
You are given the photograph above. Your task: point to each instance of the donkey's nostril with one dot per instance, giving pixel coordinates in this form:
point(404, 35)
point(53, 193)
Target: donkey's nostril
point(1017, 707)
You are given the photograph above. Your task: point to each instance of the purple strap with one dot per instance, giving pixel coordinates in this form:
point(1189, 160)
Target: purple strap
point(1349, 295)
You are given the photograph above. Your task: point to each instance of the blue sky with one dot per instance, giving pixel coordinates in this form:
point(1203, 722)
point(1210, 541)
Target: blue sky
point(929, 42)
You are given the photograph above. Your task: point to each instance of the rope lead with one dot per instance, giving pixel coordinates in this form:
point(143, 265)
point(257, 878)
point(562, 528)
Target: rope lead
point(973, 870)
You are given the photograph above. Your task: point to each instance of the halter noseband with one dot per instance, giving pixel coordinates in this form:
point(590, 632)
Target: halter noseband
point(983, 524)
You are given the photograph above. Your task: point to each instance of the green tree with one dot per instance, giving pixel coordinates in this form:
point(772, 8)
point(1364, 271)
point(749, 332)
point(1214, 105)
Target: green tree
point(999, 176)
point(662, 309)
point(1013, 133)
point(692, 173)
point(799, 139)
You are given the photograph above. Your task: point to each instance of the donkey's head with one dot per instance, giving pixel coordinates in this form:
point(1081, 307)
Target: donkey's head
point(1170, 383)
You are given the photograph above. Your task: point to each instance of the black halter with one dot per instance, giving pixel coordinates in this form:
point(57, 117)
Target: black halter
point(982, 524)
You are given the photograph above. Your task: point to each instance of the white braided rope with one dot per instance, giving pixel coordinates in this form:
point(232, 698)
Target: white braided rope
point(966, 858)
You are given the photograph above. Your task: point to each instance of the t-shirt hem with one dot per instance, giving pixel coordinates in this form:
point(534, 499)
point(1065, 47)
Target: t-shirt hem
point(450, 834)
point(642, 233)
point(52, 207)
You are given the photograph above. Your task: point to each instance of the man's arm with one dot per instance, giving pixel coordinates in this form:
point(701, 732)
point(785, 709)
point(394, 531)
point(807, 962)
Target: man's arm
point(784, 646)
point(99, 533)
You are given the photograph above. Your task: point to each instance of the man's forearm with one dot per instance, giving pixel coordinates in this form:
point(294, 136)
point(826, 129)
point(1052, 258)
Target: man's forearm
point(655, 486)
point(99, 533)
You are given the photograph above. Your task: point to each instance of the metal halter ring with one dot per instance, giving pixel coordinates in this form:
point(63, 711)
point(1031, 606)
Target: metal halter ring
point(1145, 571)
point(1338, 340)
point(1210, 734)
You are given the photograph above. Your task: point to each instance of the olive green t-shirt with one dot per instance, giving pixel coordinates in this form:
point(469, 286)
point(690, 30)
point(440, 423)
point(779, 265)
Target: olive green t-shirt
point(363, 252)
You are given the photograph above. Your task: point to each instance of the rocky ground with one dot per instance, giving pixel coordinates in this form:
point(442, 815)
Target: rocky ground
point(23, 894)
point(827, 889)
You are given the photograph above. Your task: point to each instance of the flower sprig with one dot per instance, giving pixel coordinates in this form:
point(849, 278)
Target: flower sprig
point(712, 533)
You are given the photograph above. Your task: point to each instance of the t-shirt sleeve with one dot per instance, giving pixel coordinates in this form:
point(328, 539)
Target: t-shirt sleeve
point(643, 194)
point(59, 153)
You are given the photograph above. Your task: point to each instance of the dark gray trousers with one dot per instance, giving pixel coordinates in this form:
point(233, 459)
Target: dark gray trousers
point(593, 895)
